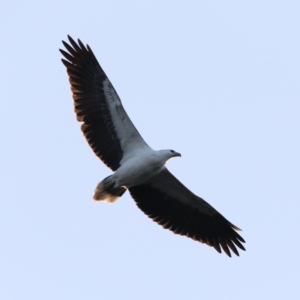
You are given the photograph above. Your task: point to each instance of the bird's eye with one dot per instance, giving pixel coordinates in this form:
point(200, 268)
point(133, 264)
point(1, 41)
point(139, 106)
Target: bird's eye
point(172, 151)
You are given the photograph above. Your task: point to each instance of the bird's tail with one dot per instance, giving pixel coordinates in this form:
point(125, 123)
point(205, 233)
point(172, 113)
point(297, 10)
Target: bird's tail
point(105, 191)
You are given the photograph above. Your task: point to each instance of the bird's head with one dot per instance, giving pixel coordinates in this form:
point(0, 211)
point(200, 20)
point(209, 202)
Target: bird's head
point(168, 154)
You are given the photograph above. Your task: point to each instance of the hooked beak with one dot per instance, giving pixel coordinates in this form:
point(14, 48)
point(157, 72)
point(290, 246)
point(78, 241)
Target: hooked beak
point(176, 154)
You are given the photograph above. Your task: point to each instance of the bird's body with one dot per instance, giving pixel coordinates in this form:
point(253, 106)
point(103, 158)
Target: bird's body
point(137, 167)
point(135, 170)
point(140, 168)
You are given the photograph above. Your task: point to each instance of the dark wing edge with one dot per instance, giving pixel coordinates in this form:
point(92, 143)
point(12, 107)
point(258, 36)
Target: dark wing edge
point(197, 219)
point(86, 77)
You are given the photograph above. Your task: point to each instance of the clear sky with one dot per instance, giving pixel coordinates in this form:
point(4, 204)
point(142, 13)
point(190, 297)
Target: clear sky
point(217, 81)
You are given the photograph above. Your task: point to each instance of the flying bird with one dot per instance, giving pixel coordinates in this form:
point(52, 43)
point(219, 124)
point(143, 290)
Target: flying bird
point(137, 167)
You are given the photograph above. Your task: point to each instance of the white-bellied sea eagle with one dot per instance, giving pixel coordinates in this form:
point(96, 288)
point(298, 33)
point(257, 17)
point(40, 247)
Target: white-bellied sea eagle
point(137, 167)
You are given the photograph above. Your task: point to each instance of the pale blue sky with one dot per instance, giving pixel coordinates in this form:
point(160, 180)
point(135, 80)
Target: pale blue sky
point(217, 81)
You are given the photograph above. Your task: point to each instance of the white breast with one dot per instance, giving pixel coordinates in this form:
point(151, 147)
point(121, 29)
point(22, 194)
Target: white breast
point(139, 169)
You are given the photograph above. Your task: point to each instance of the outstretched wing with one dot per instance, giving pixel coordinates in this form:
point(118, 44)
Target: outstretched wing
point(169, 203)
point(106, 125)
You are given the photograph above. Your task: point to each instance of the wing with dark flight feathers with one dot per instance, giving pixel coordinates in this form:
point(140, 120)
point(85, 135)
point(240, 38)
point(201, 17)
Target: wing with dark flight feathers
point(169, 203)
point(106, 125)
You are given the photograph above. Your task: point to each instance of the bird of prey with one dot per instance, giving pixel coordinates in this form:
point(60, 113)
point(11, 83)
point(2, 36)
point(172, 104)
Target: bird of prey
point(137, 167)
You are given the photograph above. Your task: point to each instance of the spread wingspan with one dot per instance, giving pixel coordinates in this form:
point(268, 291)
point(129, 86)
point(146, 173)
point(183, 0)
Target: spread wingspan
point(114, 139)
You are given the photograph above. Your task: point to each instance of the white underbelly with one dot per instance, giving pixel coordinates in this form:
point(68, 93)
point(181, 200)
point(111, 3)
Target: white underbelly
point(137, 171)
